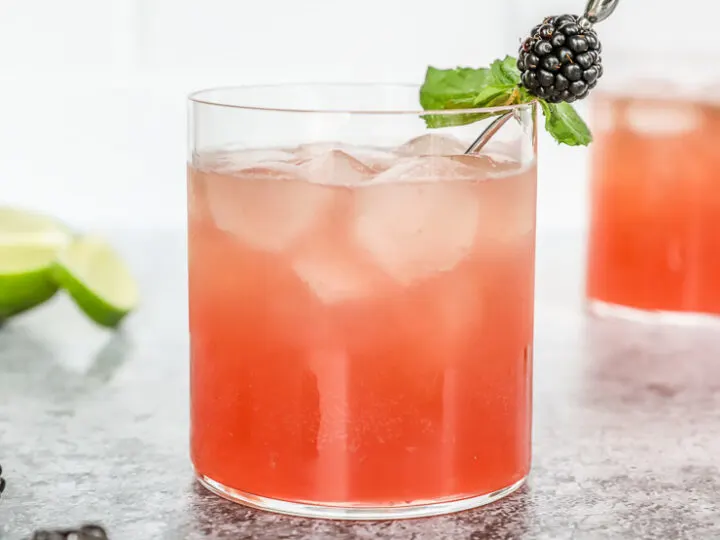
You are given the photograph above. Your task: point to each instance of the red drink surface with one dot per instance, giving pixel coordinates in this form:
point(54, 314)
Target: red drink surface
point(655, 228)
point(361, 328)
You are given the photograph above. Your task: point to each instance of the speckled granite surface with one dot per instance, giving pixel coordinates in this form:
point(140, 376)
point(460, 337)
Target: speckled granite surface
point(93, 426)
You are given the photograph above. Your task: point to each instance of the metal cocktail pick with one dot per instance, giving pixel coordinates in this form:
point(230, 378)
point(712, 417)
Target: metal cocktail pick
point(598, 10)
point(595, 11)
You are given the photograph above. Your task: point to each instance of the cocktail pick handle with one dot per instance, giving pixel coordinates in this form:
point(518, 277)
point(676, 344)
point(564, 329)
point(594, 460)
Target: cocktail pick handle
point(598, 10)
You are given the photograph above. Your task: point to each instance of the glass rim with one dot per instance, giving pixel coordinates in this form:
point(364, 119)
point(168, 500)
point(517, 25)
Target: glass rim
point(201, 97)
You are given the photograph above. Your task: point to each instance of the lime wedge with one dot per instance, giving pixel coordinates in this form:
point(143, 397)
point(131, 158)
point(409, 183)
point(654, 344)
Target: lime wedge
point(97, 279)
point(29, 244)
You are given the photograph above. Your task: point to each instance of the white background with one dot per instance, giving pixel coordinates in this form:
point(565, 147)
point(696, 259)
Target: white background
point(92, 92)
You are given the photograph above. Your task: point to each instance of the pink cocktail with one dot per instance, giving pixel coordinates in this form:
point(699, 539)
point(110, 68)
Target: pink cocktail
point(362, 323)
point(655, 231)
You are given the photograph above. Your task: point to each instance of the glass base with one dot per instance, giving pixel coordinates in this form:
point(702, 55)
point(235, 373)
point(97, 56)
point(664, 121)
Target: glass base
point(420, 509)
point(671, 318)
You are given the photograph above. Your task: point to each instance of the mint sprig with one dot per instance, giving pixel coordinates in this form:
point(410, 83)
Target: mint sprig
point(496, 86)
point(564, 123)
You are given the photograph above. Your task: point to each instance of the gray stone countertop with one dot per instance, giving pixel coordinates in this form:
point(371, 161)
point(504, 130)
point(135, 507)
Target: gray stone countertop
point(93, 425)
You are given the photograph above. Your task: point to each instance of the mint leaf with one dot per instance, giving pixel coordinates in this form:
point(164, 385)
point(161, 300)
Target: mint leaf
point(456, 87)
point(452, 89)
point(505, 71)
point(490, 96)
point(496, 86)
point(466, 88)
point(565, 125)
point(495, 96)
point(435, 121)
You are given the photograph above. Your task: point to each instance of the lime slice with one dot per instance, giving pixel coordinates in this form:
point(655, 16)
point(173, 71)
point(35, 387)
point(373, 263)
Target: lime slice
point(97, 279)
point(29, 244)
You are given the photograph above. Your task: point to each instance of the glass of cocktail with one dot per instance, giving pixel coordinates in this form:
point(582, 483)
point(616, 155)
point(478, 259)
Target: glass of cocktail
point(654, 242)
point(361, 301)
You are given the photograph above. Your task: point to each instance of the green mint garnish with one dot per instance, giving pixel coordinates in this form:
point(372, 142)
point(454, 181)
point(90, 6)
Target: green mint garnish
point(496, 86)
point(505, 71)
point(564, 123)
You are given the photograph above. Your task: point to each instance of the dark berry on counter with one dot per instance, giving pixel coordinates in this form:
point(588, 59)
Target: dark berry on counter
point(48, 535)
point(94, 532)
point(86, 532)
point(51, 535)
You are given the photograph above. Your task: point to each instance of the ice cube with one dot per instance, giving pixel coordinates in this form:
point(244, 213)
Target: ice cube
point(663, 119)
point(268, 206)
point(250, 157)
point(433, 144)
point(227, 161)
point(378, 159)
point(305, 151)
point(334, 276)
point(433, 169)
point(419, 217)
point(335, 167)
point(483, 165)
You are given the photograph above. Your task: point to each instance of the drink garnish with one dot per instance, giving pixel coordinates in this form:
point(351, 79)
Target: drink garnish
point(29, 245)
point(95, 276)
point(558, 64)
point(560, 61)
point(39, 255)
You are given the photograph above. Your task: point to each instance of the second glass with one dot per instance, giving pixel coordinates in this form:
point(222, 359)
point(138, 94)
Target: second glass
point(654, 241)
point(361, 302)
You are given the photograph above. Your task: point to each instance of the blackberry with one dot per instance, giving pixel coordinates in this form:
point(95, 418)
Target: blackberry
point(561, 61)
point(86, 532)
